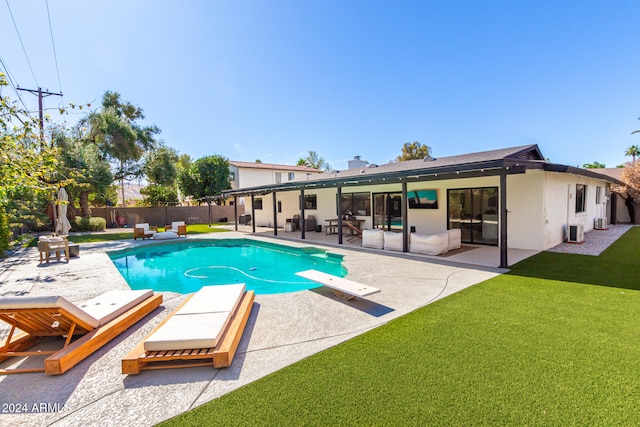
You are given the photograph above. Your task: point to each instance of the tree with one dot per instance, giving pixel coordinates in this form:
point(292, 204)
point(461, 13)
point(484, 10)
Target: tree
point(206, 178)
point(414, 151)
point(313, 160)
point(258, 161)
point(631, 190)
point(116, 131)
point(633, 151)
point(594, 165)
point(161, 170)
point(27, 168)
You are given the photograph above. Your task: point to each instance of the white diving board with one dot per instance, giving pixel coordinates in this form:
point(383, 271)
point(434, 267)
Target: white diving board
point(343, 288)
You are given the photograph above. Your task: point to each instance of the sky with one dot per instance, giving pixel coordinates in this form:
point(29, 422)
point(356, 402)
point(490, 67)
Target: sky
point(274, 79)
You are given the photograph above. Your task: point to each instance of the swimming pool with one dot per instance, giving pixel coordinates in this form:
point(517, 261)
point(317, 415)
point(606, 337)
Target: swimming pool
point(186, 266)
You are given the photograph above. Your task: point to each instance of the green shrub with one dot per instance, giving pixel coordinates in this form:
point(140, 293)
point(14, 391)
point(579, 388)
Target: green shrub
point(89, 224)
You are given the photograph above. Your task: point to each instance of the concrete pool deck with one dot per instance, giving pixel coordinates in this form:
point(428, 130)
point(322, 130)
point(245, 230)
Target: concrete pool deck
point(282, 329)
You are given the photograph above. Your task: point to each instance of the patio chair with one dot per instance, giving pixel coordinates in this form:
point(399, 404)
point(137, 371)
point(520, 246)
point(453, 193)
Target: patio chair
point(144, 230)
point(97, 321)
point(178, 227)
point(204, 330)
point(356, 233)
point(46, 245)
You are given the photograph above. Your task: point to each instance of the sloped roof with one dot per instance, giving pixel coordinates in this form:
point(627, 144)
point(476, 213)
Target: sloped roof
point(484, 163)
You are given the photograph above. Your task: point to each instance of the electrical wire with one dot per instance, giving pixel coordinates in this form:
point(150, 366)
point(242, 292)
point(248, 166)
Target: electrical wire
point(21, 43)
point(12, 83)
point(55, 56)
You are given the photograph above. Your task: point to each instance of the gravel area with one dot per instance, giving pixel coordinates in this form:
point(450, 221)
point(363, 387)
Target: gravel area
point(595, 241)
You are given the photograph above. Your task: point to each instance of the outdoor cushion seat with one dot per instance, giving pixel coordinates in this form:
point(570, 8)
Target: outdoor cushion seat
point(165, 235)
point(373, 238)
point(392, 241)
point(47, 244)
point(178, 227)
point(144, 230)
point(455, 238)
point(429, 244)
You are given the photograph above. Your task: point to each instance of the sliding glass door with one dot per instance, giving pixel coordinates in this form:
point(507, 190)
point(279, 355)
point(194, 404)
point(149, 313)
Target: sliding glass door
point(387, 211)
point(475, 212)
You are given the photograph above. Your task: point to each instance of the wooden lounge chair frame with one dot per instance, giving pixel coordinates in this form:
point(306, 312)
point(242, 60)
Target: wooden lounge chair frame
point(180, 231)
point(46, 247)
point(219, 356)
point(56, 321)
point(143, 232)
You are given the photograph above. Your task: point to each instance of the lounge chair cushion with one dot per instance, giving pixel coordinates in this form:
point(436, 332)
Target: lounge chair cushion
point(112, 304)
point(165, 235)
point(188, 331)
point(429, 244)
point(175, 224)
point(199, 323)
point(455, 238)
point(145, 227)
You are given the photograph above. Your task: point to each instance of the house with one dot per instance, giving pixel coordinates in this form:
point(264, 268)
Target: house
point(510, 198)
point(248, 174)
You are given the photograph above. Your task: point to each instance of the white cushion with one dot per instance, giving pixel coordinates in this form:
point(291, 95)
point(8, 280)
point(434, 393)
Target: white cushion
point(144, 225)
point(433, 244)
point(175, 224)
point(455, 238)
point(214, 299)
point(188, 331)
point(112, 304)
point(164, 235)
point(373, 238)
point(200, 322)
point(392, 241)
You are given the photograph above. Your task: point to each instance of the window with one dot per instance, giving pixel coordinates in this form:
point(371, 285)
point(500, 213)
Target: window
point(232, 176)
point(291, 176)
point(310, 201)
point(278, 177)
point(257, 203)
point(279, 206)
point(581, 195)
point(356, 203)
point(598, 195)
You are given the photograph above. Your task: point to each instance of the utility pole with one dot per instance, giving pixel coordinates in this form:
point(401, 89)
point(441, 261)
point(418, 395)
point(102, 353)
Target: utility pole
point(41, 93)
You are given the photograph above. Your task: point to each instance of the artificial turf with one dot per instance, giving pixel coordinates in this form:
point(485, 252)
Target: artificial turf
point(554, 342)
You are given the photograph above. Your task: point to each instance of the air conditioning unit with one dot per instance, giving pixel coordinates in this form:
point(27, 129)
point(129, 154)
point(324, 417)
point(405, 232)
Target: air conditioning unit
point(600, 224)
point(576, 233)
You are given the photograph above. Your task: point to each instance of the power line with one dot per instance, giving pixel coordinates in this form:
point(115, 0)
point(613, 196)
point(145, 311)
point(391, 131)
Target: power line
point(12, 83)
point(22, 44)
point(55, 57)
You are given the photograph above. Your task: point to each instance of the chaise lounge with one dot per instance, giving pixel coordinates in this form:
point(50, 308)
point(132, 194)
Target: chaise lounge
point(178, 227)
point(97, 321)
point(144, 230)
point(204, 330)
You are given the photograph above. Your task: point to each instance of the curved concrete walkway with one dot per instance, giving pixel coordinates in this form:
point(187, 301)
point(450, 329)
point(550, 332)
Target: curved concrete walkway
point(282, 329)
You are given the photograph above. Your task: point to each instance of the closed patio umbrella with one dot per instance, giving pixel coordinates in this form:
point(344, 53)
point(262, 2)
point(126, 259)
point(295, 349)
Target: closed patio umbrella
point(62, 225)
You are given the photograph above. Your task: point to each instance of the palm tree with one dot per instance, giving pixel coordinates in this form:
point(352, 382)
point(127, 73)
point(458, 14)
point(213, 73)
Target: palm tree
point(314, 160)
point(633, 151)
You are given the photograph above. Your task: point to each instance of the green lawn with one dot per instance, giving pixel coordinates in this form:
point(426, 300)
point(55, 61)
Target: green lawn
point(102, 237)
point(555, 342)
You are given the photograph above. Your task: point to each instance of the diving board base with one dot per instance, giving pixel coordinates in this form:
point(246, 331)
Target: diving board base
point(220, 356)
point(341, 287)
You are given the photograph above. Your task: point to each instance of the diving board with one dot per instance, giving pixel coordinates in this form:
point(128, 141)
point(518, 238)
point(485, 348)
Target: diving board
point(343, 288)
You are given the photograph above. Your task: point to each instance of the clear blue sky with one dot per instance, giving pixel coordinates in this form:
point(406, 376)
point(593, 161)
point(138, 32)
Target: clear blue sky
point(272, 79)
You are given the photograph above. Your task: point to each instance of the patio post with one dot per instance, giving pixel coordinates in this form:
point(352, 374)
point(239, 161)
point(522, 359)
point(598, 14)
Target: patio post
point(235, 210)
point(303, 225)
point(275, 215)
point(253, 214)
point(339, 203)
point(503, 220)
point(405, 223)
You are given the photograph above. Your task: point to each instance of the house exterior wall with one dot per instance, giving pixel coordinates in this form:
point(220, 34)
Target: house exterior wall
point(539, 204)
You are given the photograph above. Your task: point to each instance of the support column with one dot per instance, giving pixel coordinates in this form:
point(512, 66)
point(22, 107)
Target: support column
point(405, 219)
point(253, 214)
point(339, 203)
point(275, 215)
point(235, 210)
point(303, 224)
point(504, 263)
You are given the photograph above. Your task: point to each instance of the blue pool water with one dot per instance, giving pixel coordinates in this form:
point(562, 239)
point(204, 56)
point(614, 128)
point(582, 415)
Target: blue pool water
point(186, 266)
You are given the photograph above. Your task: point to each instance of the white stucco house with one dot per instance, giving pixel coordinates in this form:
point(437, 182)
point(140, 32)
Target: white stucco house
point(510, 198)
point(248, 174)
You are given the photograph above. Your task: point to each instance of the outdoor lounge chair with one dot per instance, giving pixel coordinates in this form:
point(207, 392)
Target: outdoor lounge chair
point(356, 233)
point(178, 227)
point(144, 230)
point(204, 330)
point(341, 287)
point(97, 321)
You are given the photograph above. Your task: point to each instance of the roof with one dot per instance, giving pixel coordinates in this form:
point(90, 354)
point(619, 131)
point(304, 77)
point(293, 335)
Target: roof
point(485, 163)
point(254, 165)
